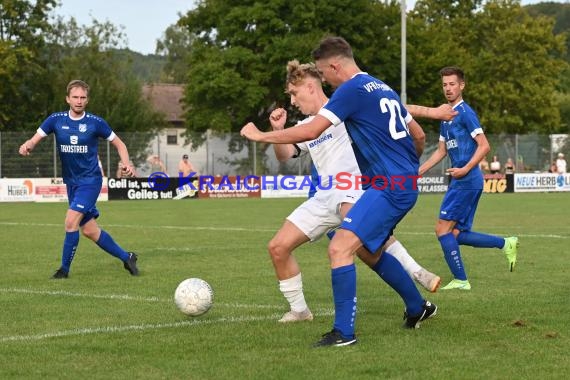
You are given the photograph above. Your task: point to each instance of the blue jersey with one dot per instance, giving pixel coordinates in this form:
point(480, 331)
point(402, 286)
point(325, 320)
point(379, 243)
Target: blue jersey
point(459, 138)
point(314, 181)
point(77, 143)
point(376, 121)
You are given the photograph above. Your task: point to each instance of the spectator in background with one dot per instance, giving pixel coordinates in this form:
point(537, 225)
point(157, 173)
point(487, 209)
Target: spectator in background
point(560, 164)
point(484, 165)
point(509, 166)
point(185, 166)
point(156, 164)
point(495, 165)
point(552, 168)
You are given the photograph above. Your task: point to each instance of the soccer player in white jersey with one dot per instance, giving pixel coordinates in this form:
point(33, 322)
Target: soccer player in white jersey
point(463, 140)
point(331, 154)
point(378, 124)
point(77, 135)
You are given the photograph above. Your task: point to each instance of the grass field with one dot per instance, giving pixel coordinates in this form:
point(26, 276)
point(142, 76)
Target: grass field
point(101, 323)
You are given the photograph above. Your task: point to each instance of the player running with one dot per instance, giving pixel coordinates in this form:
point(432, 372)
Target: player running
point(465, 143)
point(77, 136)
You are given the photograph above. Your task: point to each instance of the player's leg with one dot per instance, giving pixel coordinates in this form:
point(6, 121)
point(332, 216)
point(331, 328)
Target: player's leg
point(73, 217)
point(308, 222)
point(428, 280)
point(70, 242)
point(376, 220)
point(91, 230)
point(465, 236)
point(425, 278)
point(288, 272)
point(456, 207)
point(343, 275)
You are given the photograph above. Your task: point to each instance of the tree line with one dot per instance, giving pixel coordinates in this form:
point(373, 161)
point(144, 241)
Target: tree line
point(232, 55)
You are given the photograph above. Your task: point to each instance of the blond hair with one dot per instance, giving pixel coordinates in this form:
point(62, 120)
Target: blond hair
point(297, 72)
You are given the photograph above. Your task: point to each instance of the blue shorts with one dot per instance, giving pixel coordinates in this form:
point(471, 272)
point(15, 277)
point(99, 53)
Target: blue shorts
point(459, 205)
point(375, 215)
point(82, 198)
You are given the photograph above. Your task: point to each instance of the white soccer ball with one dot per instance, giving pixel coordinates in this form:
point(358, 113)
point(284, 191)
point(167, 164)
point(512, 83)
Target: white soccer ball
point(194, 297)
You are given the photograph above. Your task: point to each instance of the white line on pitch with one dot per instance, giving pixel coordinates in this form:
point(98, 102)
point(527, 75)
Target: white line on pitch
point(125, 297)
point(253, 229)
point(119, 329)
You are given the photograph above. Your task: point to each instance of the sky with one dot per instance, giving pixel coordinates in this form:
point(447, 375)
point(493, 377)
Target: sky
point(144, 21)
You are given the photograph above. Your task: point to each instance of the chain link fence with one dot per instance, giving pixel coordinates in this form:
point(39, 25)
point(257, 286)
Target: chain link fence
point(232, 155)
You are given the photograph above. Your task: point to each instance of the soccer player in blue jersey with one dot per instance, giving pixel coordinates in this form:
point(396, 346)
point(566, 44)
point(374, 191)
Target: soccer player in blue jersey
point(377, 123)
point(463, 140)
point(77, 135)
point(332, 154)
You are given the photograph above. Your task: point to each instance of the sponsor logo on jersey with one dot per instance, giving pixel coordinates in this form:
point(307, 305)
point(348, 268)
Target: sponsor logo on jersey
point(64, 127)
point(73, 148)
point(320, 140)
point(73, 139)
point(450, 144)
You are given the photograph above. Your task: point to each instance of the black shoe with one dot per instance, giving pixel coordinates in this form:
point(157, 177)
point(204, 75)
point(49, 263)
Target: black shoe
point(413, 322)
point(60, 273)
point(131, 264)
point(334, 338)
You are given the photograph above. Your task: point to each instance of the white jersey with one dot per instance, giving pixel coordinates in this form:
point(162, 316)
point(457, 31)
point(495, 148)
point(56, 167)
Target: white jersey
point(331, 153)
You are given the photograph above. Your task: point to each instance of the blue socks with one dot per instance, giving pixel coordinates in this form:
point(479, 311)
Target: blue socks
point(479, 240)
point(344, 295)
point(107, 243)
point(69, 247)
point(452, 255)
point(393, 273)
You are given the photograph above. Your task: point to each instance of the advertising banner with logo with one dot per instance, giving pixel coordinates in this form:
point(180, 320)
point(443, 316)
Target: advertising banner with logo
point(286, 187)
point(229, 187)
point(54, 190)
point(16, 190)
point(537, 182)
point(498, 183)
point(145, 189)
point(433, 184)
point(39, 190)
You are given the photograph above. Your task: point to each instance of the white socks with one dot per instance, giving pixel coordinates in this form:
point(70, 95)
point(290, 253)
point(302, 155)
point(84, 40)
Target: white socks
point(401, 254)
point(292, 289)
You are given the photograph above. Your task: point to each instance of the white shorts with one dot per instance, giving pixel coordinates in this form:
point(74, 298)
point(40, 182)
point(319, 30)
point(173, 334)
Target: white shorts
point(321, 213)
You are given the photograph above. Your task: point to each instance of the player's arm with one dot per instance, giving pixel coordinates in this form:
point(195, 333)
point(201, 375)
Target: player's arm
point(436, 156)
point(127, 168)
point(418, 136)
point(277, 119)
point(443, 112)
point(483, 148)
point(298, 133)
point(27, 147)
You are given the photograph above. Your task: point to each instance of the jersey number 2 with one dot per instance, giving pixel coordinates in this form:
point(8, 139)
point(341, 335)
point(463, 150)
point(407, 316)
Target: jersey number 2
point(393, 106)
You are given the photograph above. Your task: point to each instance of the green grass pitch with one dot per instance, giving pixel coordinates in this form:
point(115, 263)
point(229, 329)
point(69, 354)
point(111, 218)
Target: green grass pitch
point(101, 323)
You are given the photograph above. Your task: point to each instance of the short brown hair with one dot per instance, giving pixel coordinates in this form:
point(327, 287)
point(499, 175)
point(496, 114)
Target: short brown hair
point(77, 83)
point(297, 72)
point(452, 70)
point(332, 47)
